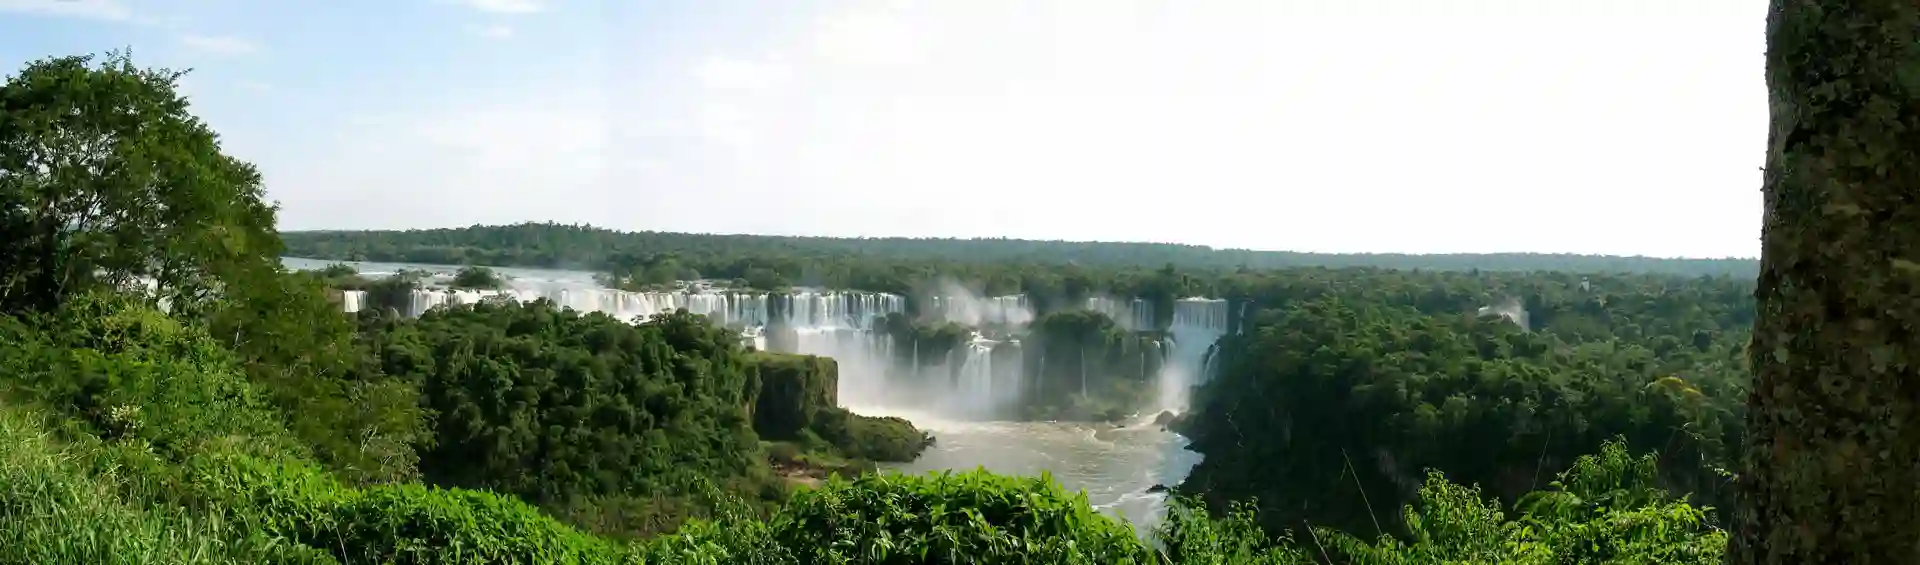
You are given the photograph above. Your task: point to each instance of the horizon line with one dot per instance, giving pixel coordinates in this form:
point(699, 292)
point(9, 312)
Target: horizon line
point(1210, 248)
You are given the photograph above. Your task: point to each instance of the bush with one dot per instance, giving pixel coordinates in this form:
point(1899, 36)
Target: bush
point(869, 437)
point(478, 278)
point(55, 509)
point(973, 517)
point(298, 502)
point(127, 371)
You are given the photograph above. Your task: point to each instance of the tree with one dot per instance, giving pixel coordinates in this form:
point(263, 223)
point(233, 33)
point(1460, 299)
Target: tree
point(478, 278)
point(106, 178)
point(1833, 456)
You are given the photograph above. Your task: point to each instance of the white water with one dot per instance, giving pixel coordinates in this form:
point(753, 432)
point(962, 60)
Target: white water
point(953, 397)
point(1510, 309)
point(1011, 310)
point(1133, 314)
point(1198, 323)
point(1115, 467)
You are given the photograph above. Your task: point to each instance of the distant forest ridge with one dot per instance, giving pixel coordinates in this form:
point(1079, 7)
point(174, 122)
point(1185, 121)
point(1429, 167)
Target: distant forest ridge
point(552, 245)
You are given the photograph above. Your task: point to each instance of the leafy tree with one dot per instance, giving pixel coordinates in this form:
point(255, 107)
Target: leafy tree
point(478, 278)
point(393, 294)
point(106, 178)
point(559, 407)
point(295, 344)
point(1830, 469)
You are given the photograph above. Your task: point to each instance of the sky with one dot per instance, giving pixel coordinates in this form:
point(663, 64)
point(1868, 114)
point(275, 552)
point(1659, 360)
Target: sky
point(1623, 127)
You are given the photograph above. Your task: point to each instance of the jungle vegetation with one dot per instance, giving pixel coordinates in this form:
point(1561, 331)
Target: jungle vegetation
point(231, 413)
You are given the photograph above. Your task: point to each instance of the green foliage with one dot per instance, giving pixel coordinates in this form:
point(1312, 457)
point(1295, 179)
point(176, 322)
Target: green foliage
point(797, 400)
point(1345, 387)
point(1188, 535)
point(951, 518)
point(793, 388)
point(393, 293)
point(55, 509)
point(298, 503)
point(552, 405)
point(296, 345)
point(337, 271)
point(259, 425)
point(892, 264)
point(172, 450)
point(133, 373)
point(930, 343)
point(1086, 367)
point(479, 278)
point(105, 176)
point(872, 438)
point(1604, 510)
point(220, 494)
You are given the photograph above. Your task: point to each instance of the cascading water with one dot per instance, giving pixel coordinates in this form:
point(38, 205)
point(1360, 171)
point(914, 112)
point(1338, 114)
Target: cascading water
point(974, 383)
point(840, 325)
point(948, 396)
point(1009, 310)
point(1133, 315)
point(1198, 323)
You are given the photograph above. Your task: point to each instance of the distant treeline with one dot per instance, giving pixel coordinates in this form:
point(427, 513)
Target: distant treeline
point(553, 245)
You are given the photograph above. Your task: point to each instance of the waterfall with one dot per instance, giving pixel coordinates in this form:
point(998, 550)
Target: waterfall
point(1198, 323)
point(1133, 315)
point(974, 383)
point(966, 310)
point(976, 379)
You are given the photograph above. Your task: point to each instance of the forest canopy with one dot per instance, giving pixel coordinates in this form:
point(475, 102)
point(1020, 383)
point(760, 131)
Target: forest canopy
point(231, 412)
point(664, 255)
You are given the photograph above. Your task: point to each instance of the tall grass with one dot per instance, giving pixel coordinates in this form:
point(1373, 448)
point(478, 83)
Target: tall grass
point(56, 509)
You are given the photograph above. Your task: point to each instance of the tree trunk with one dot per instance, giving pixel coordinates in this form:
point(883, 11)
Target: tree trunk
point(1832, 463)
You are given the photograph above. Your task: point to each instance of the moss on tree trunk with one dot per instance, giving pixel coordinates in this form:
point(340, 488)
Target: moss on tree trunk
point(1832, 462)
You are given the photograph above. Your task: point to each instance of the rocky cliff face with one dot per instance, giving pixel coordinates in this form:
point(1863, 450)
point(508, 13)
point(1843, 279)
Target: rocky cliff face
point(793, 389)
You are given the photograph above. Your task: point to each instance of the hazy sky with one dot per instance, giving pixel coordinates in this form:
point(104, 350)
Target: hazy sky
point(1590, 126)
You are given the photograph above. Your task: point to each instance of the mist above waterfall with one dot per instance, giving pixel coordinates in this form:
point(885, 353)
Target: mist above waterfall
point(1509, 308)
point(1132, 313)
point(952, 302)
point(956, 354)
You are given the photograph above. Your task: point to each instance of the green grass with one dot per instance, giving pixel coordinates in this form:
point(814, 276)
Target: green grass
point(66, 503)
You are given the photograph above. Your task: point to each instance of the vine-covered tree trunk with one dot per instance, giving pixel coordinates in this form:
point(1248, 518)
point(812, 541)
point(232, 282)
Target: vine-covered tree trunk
point(1833, 454)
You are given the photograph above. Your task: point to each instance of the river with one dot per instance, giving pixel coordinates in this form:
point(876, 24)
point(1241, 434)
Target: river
point(1115, 467)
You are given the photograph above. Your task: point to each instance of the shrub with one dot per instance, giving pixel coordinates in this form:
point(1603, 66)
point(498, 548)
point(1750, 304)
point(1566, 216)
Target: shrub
point(973, 517)
point(480, 278)
point(869, 437)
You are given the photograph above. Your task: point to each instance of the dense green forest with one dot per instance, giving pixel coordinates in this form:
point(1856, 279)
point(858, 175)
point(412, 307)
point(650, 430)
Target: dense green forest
point(235, 415)
point(1393, 374)
point(822, 261)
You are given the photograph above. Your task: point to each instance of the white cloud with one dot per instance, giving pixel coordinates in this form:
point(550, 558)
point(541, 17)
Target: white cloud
point(496, 31)
point(218, 45)
point(1330, 125)
point(109, 10)
point(507, 6)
